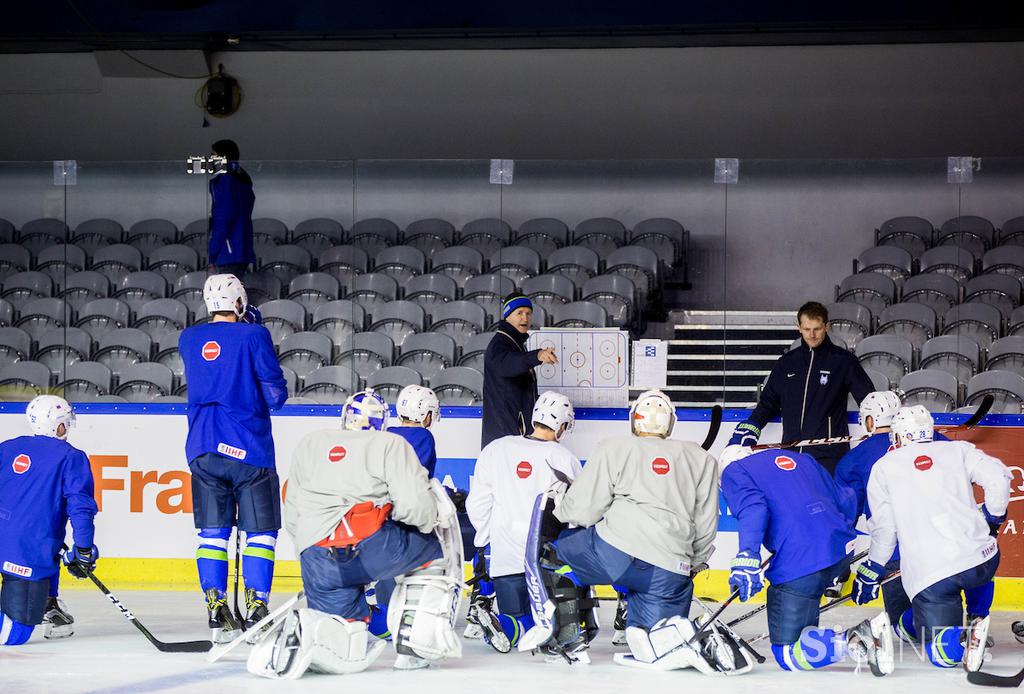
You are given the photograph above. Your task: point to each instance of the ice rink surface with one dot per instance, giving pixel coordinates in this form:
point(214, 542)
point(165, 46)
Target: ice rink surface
point(107, 655)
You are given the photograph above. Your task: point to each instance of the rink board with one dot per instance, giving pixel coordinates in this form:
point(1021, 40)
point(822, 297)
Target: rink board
point(145, 530)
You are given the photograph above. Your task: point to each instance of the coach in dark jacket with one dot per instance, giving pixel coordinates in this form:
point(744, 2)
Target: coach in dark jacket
point(230, 248)
point(510, 387)
point(809, 387)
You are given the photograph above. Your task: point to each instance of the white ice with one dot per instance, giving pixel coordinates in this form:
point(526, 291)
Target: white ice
point(107, 655)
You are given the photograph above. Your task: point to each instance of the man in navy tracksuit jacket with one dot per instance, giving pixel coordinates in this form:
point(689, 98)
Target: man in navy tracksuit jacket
point(230, 249)
point(809, 387)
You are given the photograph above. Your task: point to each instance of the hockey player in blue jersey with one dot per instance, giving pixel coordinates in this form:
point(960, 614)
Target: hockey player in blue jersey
point(44, 483)
point(234, 381)
point(418, 409)
point(789, 504)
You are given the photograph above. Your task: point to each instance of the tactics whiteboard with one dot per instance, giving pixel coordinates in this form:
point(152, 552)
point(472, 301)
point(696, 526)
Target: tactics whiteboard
point(592, 368)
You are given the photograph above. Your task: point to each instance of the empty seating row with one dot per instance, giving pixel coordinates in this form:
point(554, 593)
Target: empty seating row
point(916, 234)
point(917, 322)
point(955, 261)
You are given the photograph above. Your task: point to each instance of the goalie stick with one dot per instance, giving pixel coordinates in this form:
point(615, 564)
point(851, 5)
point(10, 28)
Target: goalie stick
point(983, 408)
point(219, 652)
point(713, 427)
point(987, 679)
point(739, 639)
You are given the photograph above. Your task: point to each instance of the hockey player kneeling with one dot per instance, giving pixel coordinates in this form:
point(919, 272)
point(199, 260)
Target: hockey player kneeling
point(790, 504)
point(920, 494)
point(360, 508)
point(647, 510)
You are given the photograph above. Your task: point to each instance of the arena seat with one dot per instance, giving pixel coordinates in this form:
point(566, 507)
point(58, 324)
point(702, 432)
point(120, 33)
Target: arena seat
point(312, 289)
point(937, 291)
point(317, 235)
point(600, 234)
point(916, 322)
point(1007, 389)
point(368, 352)
point(100, 316)
point(339, 320)
point(890, 355)
point(1006, 354)
point(957, 355)
point(936, 390)
point(402, 263)
point(545, 235)
point(374, 235)
point(913, 234)
point(995, 289)
point(398, 320)
point(892, 261)
point(954, 261)
point(978, 321)
point(427, 353)
point(459, 385)
point(305, 352)
point(487, 235)
point(429, 235)
point(390, 380)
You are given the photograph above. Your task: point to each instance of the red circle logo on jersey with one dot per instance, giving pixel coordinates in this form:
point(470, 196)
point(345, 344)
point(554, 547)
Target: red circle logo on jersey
point(923, 462)
point(785, 463)
point(211, 350)
point(660, 466)
point(21, 464)
point(337, 454)
point(524, 470)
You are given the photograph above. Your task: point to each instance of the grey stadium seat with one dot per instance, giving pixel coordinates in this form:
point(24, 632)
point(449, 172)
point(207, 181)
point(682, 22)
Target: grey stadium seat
point(892, 261)
point(315, 235)
point(59, 347)
point(936, 291)
point(980, 322)
point(100, 316)
point(600, 234)
point(878, 380)
point(22, 287)
point(84, 286)
point(937, 390)
point(6, 314)
point(173, 261)
point(427, 353)
point(458, 262)
point(543, 234)
point(515, 262)
point(41, 233)
point(282, 317)
point(954, 261)
point(168, 355)
point(638, 264)
point(145, 382)
point(890, 355)
point(139, 288)
point(285, 262)
point(262, 288)
point(373, 290)
point(490, 287)
point(459, 320)
point(967, 231)
point(60, 261)
point(916, 322)
point(430, 290)
point(577, 263)
point(459, 385)
point(15, 345)
point(1007, 389)
point(313, 289)
point(84, 381)
point(188, 289)
point(160, 318)
point(330, 385)
point(40, 315)
point(121, 348)
point(13, 259)
point(579, 314)
point(1016, 324)
point(486, 235)
point(150, 234)
point(268, 231)
point(400, 262)
point(291, 380)
point(666, 237)
point(343, 263)
point(954, 354)
point(23, 380)
point(429, 235)
point(339, 320)
point(870, 289)
point(473, 351)
point(1008, 260)
point(95, 233)
point(549, 290)
point(850, 321)
point(7, 231)
point(367, 353)
point(374, 235)
point(1001, 291)
point(398, 320)
point(1007, 354)
point(390, 380)
point(616, 294)
point(195, 234)
point(116, 261)
point(1012, 232)
point(305, 352)
point(913, 234)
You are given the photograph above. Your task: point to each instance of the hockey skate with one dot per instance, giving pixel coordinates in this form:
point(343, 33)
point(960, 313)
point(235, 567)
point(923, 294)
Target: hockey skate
point(493, 635)
point(977, 637)
point(871, 642)
point(410, 662)
point(256, 609)
point(619, 625)
point(971, 619)
point(224, 628)
point(57, 621)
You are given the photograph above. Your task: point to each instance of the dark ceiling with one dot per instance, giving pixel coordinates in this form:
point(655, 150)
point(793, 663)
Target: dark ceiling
point(83, 25)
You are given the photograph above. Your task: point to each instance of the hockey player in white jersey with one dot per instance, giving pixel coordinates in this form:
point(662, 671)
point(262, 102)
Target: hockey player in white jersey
point(920, 494)
point(360, 508)
point(510, 473)
point(646, 507)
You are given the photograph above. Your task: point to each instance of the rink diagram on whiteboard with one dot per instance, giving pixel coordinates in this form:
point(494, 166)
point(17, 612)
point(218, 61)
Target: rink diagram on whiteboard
point(591, 359)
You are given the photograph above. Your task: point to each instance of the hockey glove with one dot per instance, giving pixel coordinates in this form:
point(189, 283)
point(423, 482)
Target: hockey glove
point(745, 575)
point(745, 434)
point(458, 498)
point(252, 315)
point(81, 561)
point(867, 582)
point(993, 521)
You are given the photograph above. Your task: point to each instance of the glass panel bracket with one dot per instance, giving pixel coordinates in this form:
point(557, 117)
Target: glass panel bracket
point(727, 171)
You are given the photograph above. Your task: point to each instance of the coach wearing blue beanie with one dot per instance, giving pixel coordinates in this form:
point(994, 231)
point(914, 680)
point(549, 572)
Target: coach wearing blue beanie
point(510, 387)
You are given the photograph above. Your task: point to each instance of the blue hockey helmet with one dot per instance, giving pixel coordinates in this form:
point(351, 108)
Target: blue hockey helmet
point(364, 410)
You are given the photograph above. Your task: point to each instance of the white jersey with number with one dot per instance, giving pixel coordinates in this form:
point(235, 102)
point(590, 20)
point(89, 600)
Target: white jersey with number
point(921, 495)
point(509, 475)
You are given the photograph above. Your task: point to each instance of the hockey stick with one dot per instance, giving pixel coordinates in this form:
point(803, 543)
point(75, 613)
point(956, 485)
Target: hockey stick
point(987, 679)
point(721, 608)
point(238, 561)
point(983, 408)
point(739, 639)
point(219, 652)
point(761, 608)
point(713, 427)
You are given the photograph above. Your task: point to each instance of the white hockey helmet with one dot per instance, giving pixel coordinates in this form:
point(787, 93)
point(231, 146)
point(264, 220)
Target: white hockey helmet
point(881, 406)
point(222, 293)
point(364, 410)
point(730, 454)
point(911, 425)
point(553, 410)
point(652, 413)
point(46, 413)
point(416, 402)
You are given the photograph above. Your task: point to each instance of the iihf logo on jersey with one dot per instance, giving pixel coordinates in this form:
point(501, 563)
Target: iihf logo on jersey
point(824, 377)
point(21, 464)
